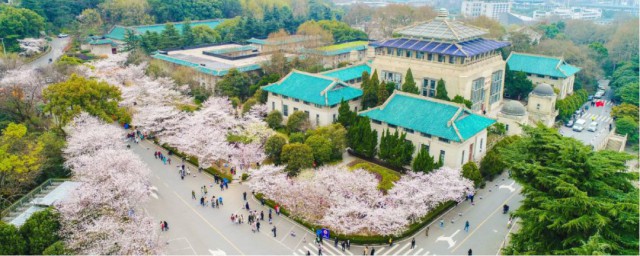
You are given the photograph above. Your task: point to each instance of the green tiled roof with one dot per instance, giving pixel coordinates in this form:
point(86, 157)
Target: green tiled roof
point(101, 41)
point(206, 70)
point(317, 89)
point(348, 73)
point(279, 41)
point(541, 65)
point(429, 116)
point(337, 49)
point(233, 49)
point(118, 32)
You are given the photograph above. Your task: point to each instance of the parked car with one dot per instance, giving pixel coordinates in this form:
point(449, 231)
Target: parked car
point(599, 94)
point(601, 87)
point(569, 123)
point(62, 35)
point(593, 126)
point(590, 98)
point(579, 125)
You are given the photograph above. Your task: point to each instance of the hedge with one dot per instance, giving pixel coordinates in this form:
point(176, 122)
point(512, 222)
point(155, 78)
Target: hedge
point(387, 176)
point(370, 240)
point(194, 161)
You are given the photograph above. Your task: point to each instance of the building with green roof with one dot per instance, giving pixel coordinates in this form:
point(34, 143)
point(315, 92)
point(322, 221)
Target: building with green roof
point(350, 74)
point(545, 69)
point(118, 32)
point(448, 131)
point(333, 55)
point(100, 46)
point(316, 95)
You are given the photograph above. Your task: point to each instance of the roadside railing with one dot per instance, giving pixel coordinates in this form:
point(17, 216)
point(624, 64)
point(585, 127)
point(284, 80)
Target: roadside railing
point(28, 197)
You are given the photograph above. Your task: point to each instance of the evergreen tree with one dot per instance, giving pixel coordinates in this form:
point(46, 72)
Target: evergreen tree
point(409, 84)
point(131, 40)
point(382, 93)
point(395, 149)
point(390, 87)
point(461, 100)
point(470, 171)
point(576, 200)
point(369, 94)
point(423, 162)
point(346, 117)
point(170, 37)
point(441, 91)
point(188, 39)
point(361, 138)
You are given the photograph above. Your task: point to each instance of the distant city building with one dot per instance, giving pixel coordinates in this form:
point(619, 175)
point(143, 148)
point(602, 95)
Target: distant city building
point(545, 69)
point(317, 95)
point(489, 8)
point(451, 133)
point(573, 13)
point(212, 62)
point(470, 65)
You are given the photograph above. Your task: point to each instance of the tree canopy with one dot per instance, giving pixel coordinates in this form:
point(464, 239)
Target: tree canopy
point(574, 197)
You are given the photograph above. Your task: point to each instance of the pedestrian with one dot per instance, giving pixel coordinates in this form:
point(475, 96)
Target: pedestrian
point(202, 200)
point(217, 205)
point(343, 245)
point(426, 232)
point(258, 226)
point(390, 242)
point(466, 226)
point(270, 221)
point(471, 197)
point(193, 194)
point(348, 244)
point(246, 206)
point(155, 155)
point(470, 252)
point(161, 225)
point(164, 161)
point(220, 200)
point(366, 250)
point(261, 215)
point(244, 195)
point(320, 250)
point(335, 243)
point(166, 226)
point(269, 213)
point(226, 185)
point(262, 201)
point(253, 227)
point(233, 217)
point(205, 189)
point(169, 160)
point(274, 231)
point(373, 251)
point(413, 243)
point(221, 187)
point(308, 253)
point(441, 223)
point(277, 209)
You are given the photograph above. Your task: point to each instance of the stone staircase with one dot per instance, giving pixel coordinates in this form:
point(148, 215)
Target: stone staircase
point(27, 201)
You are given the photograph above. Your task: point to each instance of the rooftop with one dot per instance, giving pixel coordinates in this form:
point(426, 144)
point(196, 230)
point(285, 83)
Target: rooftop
point(337, 49)
point(541, 65)
point(119, 32)
point(431, 116)
point(464, 49)
point(348, 73)
point(280, 40)
point(314, 88)
point(441, 29)
point(207, 64)
point(49, 199)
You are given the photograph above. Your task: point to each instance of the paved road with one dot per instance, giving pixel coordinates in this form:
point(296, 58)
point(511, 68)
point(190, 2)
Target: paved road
point(57, 45)
point(203, 230)
point(602, 115)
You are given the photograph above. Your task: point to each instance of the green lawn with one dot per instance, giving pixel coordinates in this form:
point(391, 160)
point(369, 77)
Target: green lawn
point(385, 176)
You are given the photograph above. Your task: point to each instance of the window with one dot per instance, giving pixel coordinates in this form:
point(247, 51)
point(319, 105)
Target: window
point(426, 135)
point(440, 58)
point(425, 147)
point(307, 113)
point(429, 87)
point(285, 97)
point(506, 127)
point(538, 106)
point(295, 109)
point(392, 77)
point(420, 55)
point(441, 156)
point(430, 57)
point(356, 109)
point(376, 121)
point(554, 78)
point(443, 140)
point(273, 105)
point(408, 130)
point(334, 118)
point(318, 105)
point(481, 142)
point(389, 51)
point(273, 94)
point(408, 54)
point(452, 59)
point(296, 100)
point(462, 160)
point(477, 94)
point(399, 52)
point(496, 87)
point(317, 119)
point(334, 105)
point(306, 103)
point(540, 76)
point(285, 110)
point(393, 126)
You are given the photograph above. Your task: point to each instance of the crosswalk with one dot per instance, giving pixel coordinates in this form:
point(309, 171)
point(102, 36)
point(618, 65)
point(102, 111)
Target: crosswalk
point(599, 118)
point(329, 249)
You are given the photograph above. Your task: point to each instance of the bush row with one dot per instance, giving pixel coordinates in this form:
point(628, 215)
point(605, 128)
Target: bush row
point(369, 240)
point(194, 161)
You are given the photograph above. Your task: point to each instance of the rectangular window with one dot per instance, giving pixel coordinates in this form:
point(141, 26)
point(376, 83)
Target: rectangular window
point(477, 94)
point(420, 55)
point(425, 147)
point(317, 119)
point(318, 105)
point(306, 103)
point(554, 78)
point(441, 156)
point(440, 58)
point(443, 140)
point(285, 110)
point(462, 160)
point(393, 126)
point(334, 118)
point(408, 54)
point(273, 94)
point(429, 87)
point(376, 121)
point(295, 109)
point(540, 76)
point(273, 105)
point(430, 57)
point(285, 97)
point(426, 135)
point(334, 105)
point(393, 77)
point(307, 113)
point(408, 130)
point(452, 59)
point(496, 87)
point(296, 100)
point(481, 141)
point(399, 52)
point(389, 51)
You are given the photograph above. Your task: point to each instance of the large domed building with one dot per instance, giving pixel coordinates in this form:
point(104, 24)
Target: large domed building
point(541, 107)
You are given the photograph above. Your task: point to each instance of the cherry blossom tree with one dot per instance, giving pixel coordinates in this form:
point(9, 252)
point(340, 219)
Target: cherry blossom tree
point(102, 215)
point(349, 202)
point(31, 46)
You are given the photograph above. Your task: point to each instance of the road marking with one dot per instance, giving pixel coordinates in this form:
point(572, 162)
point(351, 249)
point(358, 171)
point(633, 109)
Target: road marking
point(448, 239)
point(217, 252)
point(482, 223)
point(427, 253)
point(509, 187)
point(418, 251)
point(209, 223)
point(395, 247)
point(153, 191)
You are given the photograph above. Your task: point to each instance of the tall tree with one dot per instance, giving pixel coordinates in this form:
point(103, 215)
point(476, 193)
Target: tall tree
point(382, 92)
point(409, 84)
point(170, 37)
point(188, 39)
point(234, 84)
point(441, 91)
point(395, 149)
point(516, 84)
point(205, 35)
point(346, 117)
point(362, 138)
point(423, 162)
point(574, 197)
point(21, 158)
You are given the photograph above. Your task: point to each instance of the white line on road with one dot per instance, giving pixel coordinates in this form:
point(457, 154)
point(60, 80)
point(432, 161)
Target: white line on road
point(448, 239)
point(418, 251)
point(395, 247)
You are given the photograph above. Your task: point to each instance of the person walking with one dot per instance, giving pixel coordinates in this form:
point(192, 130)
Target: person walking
point(205, 189)
point(244, 195)
point(319, 249)
point(261, 215)
point(390, 242)
point(220, 200)
point(466, 226)
point(366, 250)
point(442, 223)
point(343, 245)
point(246, 206)
point(426, 232)
point(161, 226)
point(258, 226)
point(166, 226)
point(202, 200)
point(335, 242)
point(470, 252)
point(193, 194)
point(348, 244)
point(274, 231)
point(413, 243)
point(373, 251)
point(471, 198)
point(169, 160)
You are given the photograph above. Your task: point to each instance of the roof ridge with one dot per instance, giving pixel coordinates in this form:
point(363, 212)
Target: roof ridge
point(536, 55)
point(446, 22)
point(317, 75)
point(417, 96)
point(345, 67)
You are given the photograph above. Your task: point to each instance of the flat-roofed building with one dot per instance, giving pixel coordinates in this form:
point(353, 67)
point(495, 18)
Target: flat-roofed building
point(545, 69)
point(118, 33)
point(316, 95)
point(333, 55)
point(290, 44)
point(471, 66)
point(451, 133)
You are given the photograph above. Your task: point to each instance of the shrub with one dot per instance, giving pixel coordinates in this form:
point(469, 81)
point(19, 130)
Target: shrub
point(321, 148)
point(41, 230)
point(297, 137)
point(57, 248)
point(245, 176)
point(470, 171)
point(248, 105)
point(297, 156)
point(274, 119)
point(11, 242)
point(273, 147)
point(386, 176)
point(492, 164)
point(298, 122)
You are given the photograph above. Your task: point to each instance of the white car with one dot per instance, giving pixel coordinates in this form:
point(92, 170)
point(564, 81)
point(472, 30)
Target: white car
point(579, 125)
point(62, 35)
point(599, 94)
point(593, 126)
